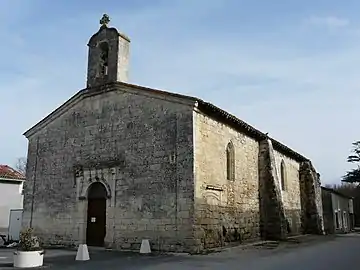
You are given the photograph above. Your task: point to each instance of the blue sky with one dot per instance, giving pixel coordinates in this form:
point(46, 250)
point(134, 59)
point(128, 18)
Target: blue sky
point(290, 68)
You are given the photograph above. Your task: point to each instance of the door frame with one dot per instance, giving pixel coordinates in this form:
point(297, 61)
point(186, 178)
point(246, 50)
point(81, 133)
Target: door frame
point(84, 178)
point(96, 199)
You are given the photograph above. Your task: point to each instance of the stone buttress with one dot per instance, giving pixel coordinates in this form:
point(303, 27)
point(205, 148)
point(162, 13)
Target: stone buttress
point(311, 204)
point(273, 224)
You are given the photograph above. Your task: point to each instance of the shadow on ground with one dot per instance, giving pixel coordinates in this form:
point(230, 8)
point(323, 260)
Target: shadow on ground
point(61, 259)
point(111, 259)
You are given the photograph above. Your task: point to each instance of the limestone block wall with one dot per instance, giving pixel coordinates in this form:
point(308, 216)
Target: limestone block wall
point(273, 224)
point(290, 193)
point(311, 200)
point(146, 140)
point(225, 210)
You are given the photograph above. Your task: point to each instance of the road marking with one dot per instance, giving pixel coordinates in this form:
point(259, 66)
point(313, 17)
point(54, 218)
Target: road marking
point(3, 258)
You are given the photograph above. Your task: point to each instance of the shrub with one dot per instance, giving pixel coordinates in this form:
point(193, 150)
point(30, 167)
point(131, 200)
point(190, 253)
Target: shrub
point(28, 241)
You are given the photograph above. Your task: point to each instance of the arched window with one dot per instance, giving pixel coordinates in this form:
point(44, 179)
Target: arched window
point(283, 175)
point(230, 162)
point(104, 58)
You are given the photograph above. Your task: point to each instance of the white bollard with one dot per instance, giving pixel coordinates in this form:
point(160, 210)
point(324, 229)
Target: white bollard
point(82, 253)
point(145, 247)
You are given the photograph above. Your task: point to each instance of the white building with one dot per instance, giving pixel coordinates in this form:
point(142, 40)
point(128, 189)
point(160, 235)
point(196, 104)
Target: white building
point(11, 199)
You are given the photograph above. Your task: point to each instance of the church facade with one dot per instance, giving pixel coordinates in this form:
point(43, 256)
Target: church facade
point(118, 163)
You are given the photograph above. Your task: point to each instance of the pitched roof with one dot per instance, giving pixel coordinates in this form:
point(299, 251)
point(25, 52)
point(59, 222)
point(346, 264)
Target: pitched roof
point(205, 107)
point(9, 173)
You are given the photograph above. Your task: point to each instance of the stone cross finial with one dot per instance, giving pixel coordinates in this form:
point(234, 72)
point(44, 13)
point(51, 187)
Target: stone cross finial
point(105, 20)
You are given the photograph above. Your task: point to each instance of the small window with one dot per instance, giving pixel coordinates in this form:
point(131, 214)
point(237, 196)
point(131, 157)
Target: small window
point(104, 58)
point(283, 175)
point(230, 162)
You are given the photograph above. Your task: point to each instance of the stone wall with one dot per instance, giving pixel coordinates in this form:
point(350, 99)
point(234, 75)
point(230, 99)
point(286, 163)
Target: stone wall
point(136, 135)
point(311, 201)
point(164, 167)
point(225, 211)
point(118, 57)
point(328, 212)
point(273, 224)
point(290, 193)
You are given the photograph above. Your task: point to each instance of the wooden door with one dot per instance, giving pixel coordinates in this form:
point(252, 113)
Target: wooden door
point(96, 222)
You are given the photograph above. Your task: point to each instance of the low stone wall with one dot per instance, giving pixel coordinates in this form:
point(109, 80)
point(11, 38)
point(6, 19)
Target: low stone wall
point(218, 226)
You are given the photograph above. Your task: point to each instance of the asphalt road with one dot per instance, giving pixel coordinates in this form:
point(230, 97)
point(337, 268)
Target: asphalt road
point(341, 252)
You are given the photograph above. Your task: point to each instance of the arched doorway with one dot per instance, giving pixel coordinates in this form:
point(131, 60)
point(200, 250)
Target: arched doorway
point(96, 215)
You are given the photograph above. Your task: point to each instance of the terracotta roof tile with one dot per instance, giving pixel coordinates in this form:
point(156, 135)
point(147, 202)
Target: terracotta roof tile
point(9, 173)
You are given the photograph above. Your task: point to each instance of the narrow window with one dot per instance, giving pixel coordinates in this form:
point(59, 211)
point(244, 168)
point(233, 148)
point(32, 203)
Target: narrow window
point(337, 223)
point(104, 58)
point(282, 175)
point(230, 162)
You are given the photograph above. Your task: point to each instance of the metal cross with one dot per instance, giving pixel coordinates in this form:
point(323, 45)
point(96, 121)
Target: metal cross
point(105, 20)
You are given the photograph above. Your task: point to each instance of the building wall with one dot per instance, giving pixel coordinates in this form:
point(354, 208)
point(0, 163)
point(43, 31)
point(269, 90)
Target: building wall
point(179, 204)
point(328, 212)
point(225, 211)
point(341, 208)
point(311, 201)
point(333, 204)
point(290, 194)
point(351, 214)
point(137, 135)
point(11, 198)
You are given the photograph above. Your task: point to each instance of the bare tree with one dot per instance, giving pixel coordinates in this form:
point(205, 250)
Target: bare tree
point(21, 165)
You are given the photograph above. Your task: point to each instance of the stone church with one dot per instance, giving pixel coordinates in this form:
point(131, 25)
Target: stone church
point(118, 163)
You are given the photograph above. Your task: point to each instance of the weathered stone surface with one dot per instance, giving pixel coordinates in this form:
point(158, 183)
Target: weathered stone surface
point(311, 202)
point(225, 211)
point(273, 221)
point(162, 160)
point(163, 164)
point(291, 197)
point(133, 135)
point(118, 47)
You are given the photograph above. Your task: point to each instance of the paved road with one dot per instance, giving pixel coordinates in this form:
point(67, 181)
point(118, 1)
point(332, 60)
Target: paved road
point(341, 252)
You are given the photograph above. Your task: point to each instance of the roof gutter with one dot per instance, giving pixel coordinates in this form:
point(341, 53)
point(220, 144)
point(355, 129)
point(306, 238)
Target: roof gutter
point(2, 179)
